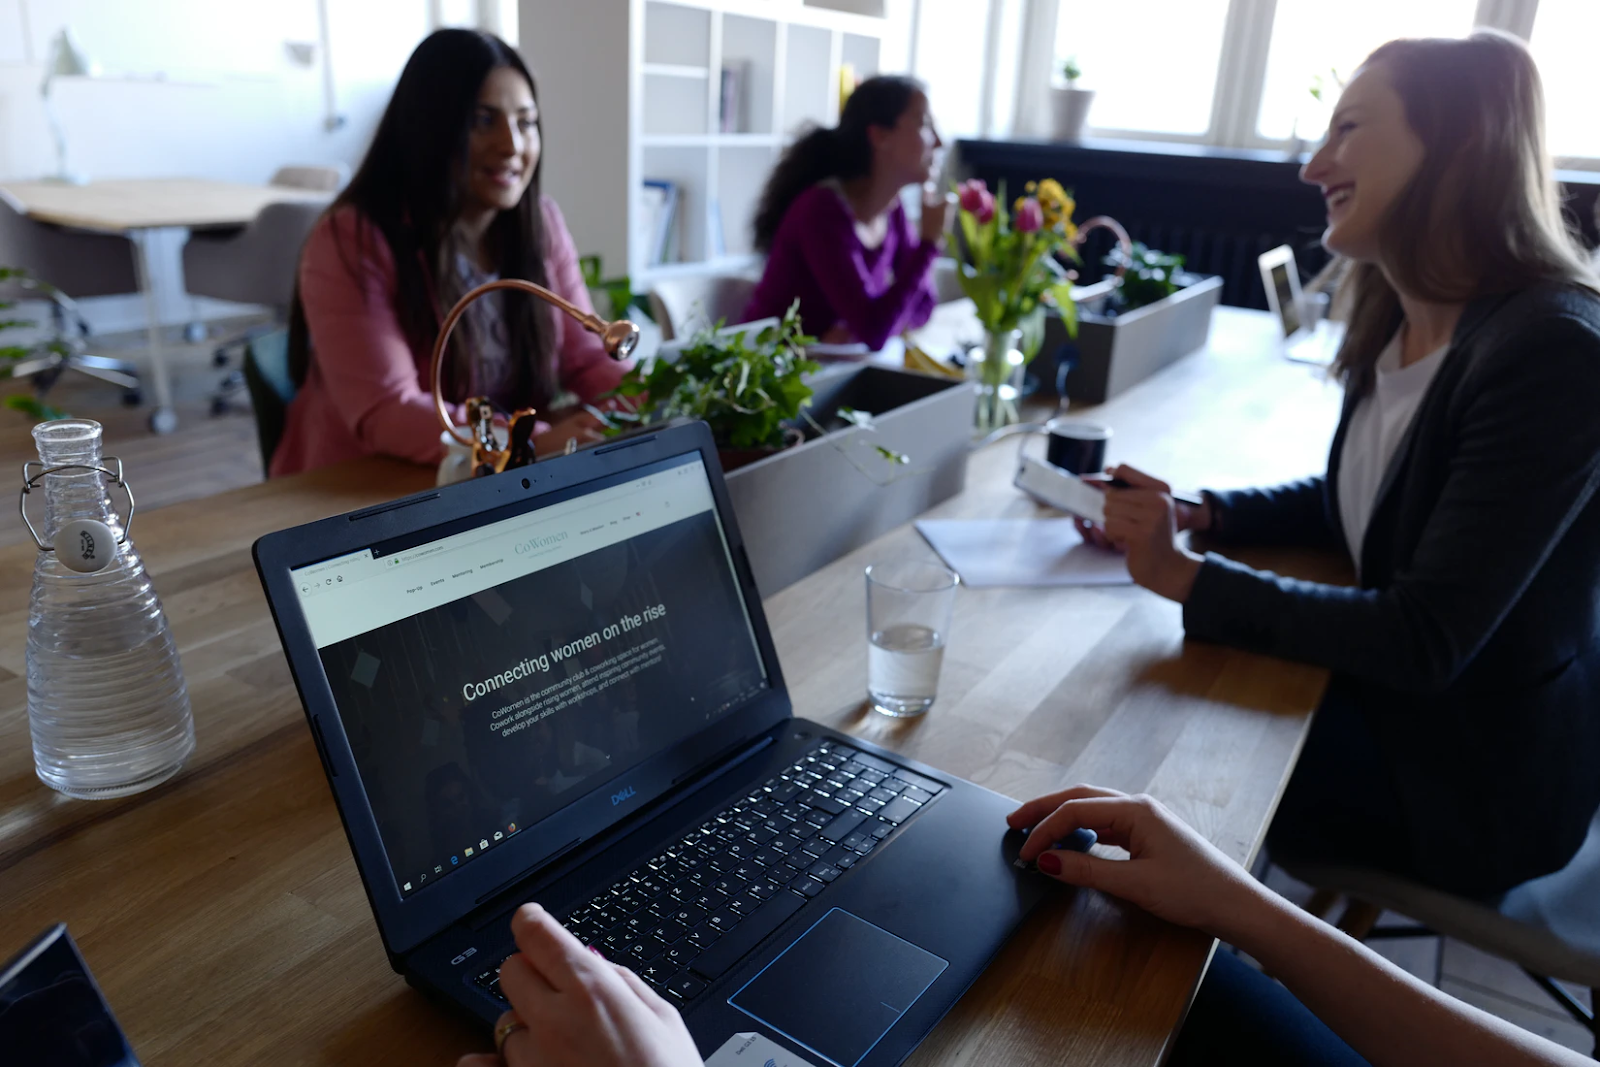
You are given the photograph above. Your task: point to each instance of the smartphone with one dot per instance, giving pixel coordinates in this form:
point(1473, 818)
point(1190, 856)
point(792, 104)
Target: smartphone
point(1060, 489)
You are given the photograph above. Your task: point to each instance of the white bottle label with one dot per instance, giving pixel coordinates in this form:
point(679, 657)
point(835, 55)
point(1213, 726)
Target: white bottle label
point(85, 545)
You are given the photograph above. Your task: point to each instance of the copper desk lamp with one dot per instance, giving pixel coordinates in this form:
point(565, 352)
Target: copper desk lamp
point(488, 457)
point(1104, 285)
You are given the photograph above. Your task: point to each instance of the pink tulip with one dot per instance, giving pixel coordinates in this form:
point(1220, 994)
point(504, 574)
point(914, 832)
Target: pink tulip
point(1030, 217)
point(985, 210)
point(972, 195)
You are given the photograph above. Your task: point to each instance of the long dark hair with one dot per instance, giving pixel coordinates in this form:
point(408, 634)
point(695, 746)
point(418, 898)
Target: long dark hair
point(843, 151)
point(1482, 215)
point(411, 187)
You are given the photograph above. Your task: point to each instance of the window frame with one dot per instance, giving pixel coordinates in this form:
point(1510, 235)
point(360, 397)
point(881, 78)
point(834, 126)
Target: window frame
point(1242, 73)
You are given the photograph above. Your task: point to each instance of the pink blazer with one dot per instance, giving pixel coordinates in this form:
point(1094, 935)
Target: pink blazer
point(367, 391)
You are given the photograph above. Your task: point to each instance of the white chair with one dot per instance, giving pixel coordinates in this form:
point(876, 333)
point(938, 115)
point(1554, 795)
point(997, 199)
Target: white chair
point(66, 264)
point(255, 265)
point(946, 285)
point(680, 304)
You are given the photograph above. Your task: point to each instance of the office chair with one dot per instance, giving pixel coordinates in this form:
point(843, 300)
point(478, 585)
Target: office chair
point(66, 264)
point(266, 376)
point(317, 179)
point(255, 265)
point(682, 303)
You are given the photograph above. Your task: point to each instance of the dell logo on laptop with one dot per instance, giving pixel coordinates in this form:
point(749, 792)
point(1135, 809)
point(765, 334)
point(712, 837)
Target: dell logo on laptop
point(618, 798)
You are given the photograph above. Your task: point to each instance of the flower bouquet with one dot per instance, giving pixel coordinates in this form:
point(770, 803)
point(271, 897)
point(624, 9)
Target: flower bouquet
point(1007, 266)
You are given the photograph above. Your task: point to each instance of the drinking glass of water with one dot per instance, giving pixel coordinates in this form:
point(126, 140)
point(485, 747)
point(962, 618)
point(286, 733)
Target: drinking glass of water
point(908, 619)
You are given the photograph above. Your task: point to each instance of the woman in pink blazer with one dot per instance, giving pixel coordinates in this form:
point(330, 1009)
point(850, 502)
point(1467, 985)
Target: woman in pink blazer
point(447, 198)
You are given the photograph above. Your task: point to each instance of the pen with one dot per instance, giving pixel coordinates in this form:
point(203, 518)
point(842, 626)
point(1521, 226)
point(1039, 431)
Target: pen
point(1182, 498)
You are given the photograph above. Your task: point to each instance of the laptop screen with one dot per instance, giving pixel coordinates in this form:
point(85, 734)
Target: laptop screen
point(491, 671)
point(1288, 313)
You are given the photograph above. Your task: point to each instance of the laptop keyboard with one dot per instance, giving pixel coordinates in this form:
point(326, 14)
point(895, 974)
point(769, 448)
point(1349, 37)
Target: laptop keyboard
point(686, 916)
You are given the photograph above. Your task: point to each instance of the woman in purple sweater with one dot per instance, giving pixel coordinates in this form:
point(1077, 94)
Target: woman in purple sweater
point(833, 228)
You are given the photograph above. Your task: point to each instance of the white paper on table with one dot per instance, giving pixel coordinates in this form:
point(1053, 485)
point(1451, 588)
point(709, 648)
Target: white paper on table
point(1026, 552)
point(754, 1049)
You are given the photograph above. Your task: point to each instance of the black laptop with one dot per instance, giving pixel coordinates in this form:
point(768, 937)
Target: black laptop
point(557, 684)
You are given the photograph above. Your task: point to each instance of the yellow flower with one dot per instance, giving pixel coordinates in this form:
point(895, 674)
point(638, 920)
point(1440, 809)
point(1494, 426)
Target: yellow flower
point(1057, 205)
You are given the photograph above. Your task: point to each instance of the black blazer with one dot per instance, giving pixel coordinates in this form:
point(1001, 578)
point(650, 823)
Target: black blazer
point(1472, 646)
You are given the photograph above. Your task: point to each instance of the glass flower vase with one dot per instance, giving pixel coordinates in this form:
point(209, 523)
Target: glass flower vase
point(996, 369)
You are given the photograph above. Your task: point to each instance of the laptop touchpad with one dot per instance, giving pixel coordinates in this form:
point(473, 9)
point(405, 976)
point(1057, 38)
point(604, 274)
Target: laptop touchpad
point(840, 987)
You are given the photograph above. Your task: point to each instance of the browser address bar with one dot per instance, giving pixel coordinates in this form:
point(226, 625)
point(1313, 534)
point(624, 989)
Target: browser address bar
point(451, 545)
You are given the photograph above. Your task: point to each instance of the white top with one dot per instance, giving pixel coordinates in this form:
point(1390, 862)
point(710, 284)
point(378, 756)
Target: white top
point(1376, 427)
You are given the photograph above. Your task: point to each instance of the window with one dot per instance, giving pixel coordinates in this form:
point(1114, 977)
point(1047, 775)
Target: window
point(1563, 44)
point(949, 50)
point(1152, 82)
point(1230, 73)
point(1314, 44)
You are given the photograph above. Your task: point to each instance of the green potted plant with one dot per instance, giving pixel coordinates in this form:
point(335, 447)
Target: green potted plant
point(1069, 105)
point(749, 387)
point(1157, 313)
point(1150, 276)
point(819, 460)
point(14, 278)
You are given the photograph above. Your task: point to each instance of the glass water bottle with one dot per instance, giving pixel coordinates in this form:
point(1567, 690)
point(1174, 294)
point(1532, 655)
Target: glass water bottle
point(107, 705)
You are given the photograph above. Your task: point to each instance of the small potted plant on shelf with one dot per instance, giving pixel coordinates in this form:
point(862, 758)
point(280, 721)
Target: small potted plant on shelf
point(1006, 264)
point(1069, 105)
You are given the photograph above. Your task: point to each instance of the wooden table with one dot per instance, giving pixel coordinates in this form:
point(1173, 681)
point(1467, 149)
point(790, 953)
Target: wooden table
point(121, 206)
point(223, 915)
point(138, 209)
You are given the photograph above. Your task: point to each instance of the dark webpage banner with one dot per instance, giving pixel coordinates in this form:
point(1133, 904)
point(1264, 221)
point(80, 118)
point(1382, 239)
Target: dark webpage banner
point(473, 720)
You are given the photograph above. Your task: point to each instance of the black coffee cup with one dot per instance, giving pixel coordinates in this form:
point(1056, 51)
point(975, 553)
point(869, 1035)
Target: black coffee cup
point(1077, 447)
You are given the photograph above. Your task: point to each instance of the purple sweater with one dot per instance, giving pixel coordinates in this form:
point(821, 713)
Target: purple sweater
point(816, 256)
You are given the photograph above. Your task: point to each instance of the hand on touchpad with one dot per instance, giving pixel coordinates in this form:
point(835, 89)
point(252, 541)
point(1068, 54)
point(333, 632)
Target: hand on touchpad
point(840, 987)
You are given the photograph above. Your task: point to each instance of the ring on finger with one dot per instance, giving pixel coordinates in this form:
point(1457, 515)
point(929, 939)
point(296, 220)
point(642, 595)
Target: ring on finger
point(508, 1026)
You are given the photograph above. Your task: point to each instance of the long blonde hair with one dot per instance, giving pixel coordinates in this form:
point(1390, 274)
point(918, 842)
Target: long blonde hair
point(1482, 215)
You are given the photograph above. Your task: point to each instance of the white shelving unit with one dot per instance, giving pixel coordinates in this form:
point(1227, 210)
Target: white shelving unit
point(631, 90)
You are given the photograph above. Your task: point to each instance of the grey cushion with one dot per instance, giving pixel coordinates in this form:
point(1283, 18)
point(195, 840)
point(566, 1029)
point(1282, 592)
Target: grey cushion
point(1551, 925)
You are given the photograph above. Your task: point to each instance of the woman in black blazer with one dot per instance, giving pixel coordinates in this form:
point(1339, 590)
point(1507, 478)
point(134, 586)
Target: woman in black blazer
point(1459, 741)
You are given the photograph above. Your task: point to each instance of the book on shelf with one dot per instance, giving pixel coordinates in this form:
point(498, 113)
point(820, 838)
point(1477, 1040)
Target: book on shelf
point(732, 103)
point(658, 216)
point(716, 241)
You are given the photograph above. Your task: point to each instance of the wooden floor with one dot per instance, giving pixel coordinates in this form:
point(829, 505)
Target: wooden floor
point(207, 455)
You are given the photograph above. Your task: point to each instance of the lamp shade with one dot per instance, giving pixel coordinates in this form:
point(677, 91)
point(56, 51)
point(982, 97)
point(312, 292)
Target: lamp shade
point(66, 58)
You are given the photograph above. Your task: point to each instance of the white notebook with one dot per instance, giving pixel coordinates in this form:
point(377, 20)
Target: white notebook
point(1025, 552)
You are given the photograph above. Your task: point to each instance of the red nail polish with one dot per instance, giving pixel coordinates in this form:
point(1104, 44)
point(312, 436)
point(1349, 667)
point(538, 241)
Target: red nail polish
point(1049, 863)
point(602, 955)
